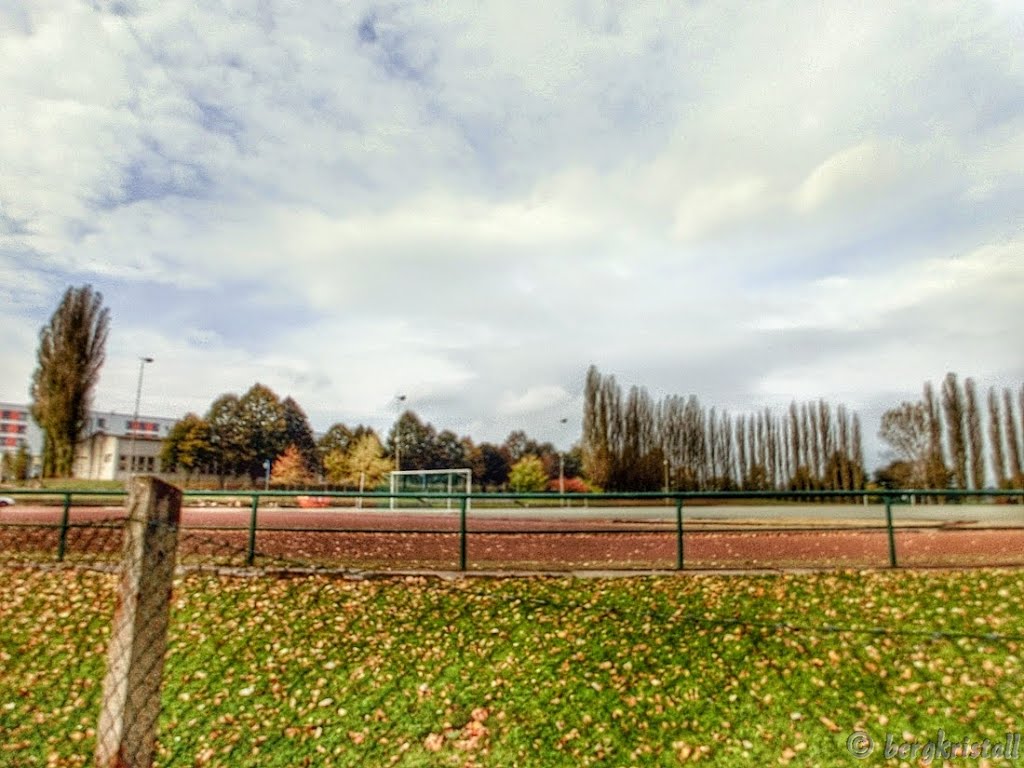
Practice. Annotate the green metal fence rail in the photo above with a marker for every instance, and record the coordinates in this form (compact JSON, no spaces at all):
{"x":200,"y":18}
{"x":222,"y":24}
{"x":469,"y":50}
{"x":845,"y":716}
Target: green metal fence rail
{"x":889,"y":498}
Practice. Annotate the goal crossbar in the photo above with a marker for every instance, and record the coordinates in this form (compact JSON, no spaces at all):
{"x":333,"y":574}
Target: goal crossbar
{"x":464,"y":474}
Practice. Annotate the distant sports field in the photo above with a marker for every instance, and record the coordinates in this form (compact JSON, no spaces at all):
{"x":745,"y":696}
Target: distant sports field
{"x":646,"y":671}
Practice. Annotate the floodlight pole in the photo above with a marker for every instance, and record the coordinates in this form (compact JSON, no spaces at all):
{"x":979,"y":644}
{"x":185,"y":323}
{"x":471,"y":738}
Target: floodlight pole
{"x":135,"y":414}
{"x":398,"y":434}
{"x":561,"y":472}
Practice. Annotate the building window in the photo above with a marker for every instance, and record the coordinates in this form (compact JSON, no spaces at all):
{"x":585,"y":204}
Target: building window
{"x":122,"y":463}
{"x":101,"y":423}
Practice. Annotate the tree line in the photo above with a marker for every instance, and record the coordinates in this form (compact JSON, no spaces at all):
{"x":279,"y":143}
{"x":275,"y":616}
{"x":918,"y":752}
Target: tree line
{"x":239,"y":433}
{"x":954,"y":439}
{"x":633,"y":443}
{"x":949,"y":438}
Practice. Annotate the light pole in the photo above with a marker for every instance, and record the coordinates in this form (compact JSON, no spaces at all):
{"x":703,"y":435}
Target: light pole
{"x":561,"y":472}
{"x":664,"y":464}
{"x":398,"y":433}
{"x":135,"y":415}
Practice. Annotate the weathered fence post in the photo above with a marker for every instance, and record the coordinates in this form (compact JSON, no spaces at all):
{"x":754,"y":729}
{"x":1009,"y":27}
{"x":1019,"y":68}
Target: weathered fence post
{"x":62,"y":543}
{"x":890,"y":531}
{"x":679,"y":533}
{"x":126,"y":735}
{"x":462,"y":532}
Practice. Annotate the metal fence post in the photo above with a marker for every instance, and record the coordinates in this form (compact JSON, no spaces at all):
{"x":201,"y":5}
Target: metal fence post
{"x":126,"y":732}
{"x":250,"y":556}
{"x":62,"y":544}
{"x":462,"y":532}
{"x":889,"y":529}
{"x":679,"y":534}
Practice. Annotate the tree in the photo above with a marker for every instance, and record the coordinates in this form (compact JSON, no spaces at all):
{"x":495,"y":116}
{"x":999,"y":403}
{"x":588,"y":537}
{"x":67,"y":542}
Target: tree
{"x":364,"y":465}
{"x":226,"y":439}
{"x":896,"y":474}
{"x":337,"y":439}
{"x":492,"y":467}
{"x":1016,"y":450}
{"x":975,"y":438}
{"x":449,"y":451}
{"x":290,"y":467}
{"x":517,"y":445}
{"x":297,"y":432}
{"x":995,"y":436}
{"x":956,"y":435}
{"x":188,"y":446}
{"x":905,"y":429}
{"x":71,"y":353}
{"x":528,"y":476}
{"x":261,"y":425}
{"x":937,"y":472}
{"x":413,"y":443}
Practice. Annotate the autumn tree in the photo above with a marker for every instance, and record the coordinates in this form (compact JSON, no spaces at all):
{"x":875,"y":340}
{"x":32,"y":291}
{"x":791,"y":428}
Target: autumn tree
{"x":297,"y":432}
{"x":70,"y":355}
{"x":290,"y":468}
{"x":527,"y":475}
{"x":975,"y":437}
{"x":995,"y":438}
{"x":412,"y":442}
{"x":1013,"y":441}
{"x":956,"y":434}
{"x":937,"y":472}
{"x":906,"y":430}
{"x":226,"y":438}
{"x":188,"y":446}
{"x":261,"y":425}
{"x":490,"y":464}
{"x":364,"y":465}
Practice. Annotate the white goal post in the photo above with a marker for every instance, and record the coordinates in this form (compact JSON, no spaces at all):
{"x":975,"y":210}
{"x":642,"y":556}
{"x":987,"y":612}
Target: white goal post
{"x":431,"y":481}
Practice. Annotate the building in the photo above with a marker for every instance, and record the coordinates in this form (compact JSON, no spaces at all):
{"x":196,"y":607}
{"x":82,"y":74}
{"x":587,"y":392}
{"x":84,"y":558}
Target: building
{"x":112,"y":447}
{"x":115,"y":445}
{"x":18,"y":430}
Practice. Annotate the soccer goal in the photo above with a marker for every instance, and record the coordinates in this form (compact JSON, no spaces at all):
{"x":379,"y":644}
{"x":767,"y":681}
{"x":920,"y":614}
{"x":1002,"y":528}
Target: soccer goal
{"x":432,"y":482}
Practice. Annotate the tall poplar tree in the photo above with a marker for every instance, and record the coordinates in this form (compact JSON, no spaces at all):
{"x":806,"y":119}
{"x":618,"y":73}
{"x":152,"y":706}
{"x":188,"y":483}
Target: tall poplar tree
{"x":956,"y":435}
{"x":71,"y":353}
{"x":1016,"y":451}
{"x":995,"y":438}
{"x":975,"y":438}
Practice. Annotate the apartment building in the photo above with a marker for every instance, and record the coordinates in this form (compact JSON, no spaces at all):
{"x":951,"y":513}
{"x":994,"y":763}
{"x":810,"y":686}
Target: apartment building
{"x":113,"y":445}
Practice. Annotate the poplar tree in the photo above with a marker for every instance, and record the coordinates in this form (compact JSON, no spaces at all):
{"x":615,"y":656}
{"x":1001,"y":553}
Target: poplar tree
{"x":995,"y":438}
{"x":1012,"y":441}
{"x":71,"y":353}
{"x":937,"y":474}
{"x":975,"y":438}
{"x":956,"y":437}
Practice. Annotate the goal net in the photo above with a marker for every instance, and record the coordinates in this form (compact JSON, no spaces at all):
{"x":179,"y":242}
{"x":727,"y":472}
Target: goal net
{"x":435,"y":485}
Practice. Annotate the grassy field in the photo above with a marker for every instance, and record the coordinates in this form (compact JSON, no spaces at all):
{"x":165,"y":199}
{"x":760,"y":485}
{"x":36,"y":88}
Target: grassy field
{"x":529,"y":672}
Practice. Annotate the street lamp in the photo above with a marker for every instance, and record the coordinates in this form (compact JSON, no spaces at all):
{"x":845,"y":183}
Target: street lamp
{"x":135,"y":415}
{"x":561,"y":471}
{"x":664,"y":463}
{"x":398,"y":433}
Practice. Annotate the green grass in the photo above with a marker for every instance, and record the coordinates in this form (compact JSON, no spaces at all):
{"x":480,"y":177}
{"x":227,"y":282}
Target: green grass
{"x":530,"y":672}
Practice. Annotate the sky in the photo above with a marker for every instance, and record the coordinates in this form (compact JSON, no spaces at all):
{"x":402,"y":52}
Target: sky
{"x":470,"y":203}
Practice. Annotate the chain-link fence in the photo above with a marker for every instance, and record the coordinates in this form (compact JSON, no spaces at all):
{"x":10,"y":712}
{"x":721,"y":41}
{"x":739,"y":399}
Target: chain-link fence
{"x":291,"y":663}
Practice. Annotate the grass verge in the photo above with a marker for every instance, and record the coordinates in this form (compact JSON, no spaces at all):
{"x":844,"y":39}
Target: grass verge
{"x":526,"y":672}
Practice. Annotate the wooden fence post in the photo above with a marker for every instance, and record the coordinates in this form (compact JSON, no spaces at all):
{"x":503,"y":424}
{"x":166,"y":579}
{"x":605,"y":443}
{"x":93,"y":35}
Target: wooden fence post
{"x":126,"y":735}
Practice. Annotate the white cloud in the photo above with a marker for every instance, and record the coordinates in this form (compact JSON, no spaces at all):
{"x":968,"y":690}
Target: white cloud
{"x":469,"y":205}
{"x":533,"y":399}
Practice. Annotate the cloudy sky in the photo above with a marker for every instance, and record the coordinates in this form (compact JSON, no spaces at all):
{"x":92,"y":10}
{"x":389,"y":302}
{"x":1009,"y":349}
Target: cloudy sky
{"x":469,"y":203}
